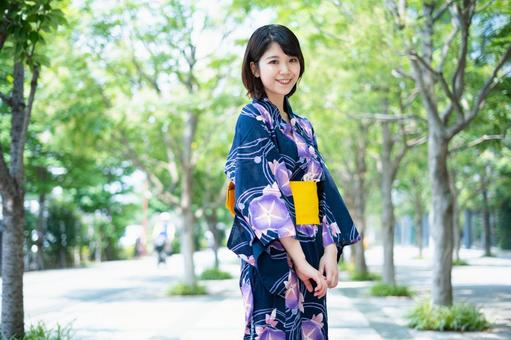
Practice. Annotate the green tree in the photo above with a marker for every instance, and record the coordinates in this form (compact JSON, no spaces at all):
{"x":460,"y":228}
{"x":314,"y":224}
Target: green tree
{"x":449,"y":98}
{"x":22,"y":30}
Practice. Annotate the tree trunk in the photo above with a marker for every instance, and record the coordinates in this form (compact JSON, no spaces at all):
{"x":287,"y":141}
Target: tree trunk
{"x":441,"y":227}
{"x":187,"y":247}
{"x":419,"y":213}
{"x":212,"y":226}
{"x":360,"y":222}
{"x":388,"y":219}
{"x":360,"y":196}
{"x":1,"y":244}
{"x":40,"y":232}
{"x":97,"y":247}
{"x":455,"y":217}
{"x":12,"y":266}
{"x":486,"y":222}
{"x":467,"y":229}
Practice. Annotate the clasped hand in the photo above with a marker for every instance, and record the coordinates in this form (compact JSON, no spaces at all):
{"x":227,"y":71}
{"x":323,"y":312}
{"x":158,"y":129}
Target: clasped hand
{"x":326,"y":277}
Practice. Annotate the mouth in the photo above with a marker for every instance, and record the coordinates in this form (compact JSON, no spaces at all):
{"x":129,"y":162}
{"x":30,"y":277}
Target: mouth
{"x":284,"y":81}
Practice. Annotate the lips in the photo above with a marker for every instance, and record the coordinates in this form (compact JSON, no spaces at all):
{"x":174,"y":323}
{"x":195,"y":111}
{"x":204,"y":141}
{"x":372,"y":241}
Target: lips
{"x":284,"y":81}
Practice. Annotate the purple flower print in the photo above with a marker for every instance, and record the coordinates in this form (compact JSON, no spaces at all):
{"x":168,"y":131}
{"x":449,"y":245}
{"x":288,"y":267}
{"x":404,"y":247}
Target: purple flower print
{"x":326,"y":235}
{"x":269,"y":212}
{"x":287,"y":130}
{"x":269,"y":332}
{"x":312,"y":151}
{"x":248,"y":299}
{"x":335,"y":229}
{"x":250,"y":259}
{"x":307,"y":229}
{"x":282,"y":175}
{"x":302,"y":146}
{"x":275,"y":244}
{"x":314,"y":170}
{"x":292,"y":291}
{"x":311,"y":328}
{"x":294,"y":298}
{"x":306,"y":127}
{"x":265,"y":115}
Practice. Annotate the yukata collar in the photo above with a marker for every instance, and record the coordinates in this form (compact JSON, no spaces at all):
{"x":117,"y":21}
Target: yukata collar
{"x":274,"y":111}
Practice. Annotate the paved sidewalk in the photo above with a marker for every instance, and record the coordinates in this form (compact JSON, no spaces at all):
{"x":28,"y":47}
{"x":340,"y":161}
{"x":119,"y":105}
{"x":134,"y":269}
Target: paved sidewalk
{"x":126,"y":300}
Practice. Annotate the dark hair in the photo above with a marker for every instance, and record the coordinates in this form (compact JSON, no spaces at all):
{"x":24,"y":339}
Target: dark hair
{"x":257,"y":45}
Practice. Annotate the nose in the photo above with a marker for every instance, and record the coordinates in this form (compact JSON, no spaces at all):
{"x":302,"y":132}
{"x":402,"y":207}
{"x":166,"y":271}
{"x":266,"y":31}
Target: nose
{"x":284,"y":68}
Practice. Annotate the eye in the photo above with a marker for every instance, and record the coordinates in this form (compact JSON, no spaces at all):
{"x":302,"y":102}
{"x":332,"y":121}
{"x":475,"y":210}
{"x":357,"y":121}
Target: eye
{"x":293,"y":60}
{"x":274,"y":61}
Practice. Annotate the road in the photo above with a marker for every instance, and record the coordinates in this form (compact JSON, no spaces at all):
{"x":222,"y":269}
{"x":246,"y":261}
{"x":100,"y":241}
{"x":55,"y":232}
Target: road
{"x":127,"y":300}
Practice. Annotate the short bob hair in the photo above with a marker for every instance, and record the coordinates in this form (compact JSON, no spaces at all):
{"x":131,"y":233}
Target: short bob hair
{"x":257,"y":45}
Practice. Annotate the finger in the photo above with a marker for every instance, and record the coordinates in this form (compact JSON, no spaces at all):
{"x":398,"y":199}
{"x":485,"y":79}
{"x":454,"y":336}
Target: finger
{"x":322,"y":267}
{"x":322,"y":293}
{"x":329,"y":278}
{"x":308,"y":285}
{"x":318,"y":282}
{"x":320,"y":289}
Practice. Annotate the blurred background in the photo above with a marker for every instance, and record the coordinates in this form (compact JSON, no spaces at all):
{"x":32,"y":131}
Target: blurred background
{"x":133,"y":112}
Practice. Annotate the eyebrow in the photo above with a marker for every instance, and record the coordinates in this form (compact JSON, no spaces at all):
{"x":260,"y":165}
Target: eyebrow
{"x":277,"y":57}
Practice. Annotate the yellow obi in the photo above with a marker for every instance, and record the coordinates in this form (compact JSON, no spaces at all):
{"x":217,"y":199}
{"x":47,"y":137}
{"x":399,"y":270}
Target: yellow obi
{"x":305,"y":196}
{"x":229,"y":197}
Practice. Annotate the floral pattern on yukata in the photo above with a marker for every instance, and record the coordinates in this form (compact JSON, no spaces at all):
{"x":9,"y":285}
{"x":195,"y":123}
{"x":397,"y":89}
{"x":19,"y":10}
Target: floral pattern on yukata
{"x":266,"y":154}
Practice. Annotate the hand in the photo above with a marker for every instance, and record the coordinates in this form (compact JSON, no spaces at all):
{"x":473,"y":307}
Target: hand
{"x":328,"y":266}
{"x":306,"y":272}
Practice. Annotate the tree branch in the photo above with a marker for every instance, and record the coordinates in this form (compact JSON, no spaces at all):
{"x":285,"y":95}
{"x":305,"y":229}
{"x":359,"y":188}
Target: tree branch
{"x":163,"y":194}
{"x":6,"y":186}
{"x":464,"y":17}
{"x":6,"y":99}
{"x":442,"y":10}
{"x":428,"y":99}
{"x":380,"y":117}
{"x":479,"y":100}
{"x":445,"y":87}
{"x":477,"y":141}
{"x":397,"y":72}
{"x":445,"y":48}
{"x":417,"y":141}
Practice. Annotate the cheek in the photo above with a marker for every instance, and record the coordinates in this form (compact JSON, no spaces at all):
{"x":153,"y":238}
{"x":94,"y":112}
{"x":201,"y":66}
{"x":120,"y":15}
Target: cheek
{"x":296,"y":68}
{"x":267,"y":73}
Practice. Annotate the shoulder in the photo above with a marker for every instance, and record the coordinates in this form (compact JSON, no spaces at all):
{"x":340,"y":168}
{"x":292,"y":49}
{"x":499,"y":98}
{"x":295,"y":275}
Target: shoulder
{"x":304,"y":123}
{"x":254,"y":120}
{"x":255,"y":115}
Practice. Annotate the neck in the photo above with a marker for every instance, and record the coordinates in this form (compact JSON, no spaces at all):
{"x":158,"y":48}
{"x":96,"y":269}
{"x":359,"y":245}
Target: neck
{"x":278,"y":101}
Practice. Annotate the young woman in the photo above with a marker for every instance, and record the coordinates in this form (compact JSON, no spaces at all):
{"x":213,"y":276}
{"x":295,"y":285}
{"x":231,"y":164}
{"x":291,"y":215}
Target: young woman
{"x":290,"y":222}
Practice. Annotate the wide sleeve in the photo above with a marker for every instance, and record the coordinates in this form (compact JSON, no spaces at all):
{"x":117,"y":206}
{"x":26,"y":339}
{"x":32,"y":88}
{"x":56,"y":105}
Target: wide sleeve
{"x":263,"y":210}
{"x":337,"y":225}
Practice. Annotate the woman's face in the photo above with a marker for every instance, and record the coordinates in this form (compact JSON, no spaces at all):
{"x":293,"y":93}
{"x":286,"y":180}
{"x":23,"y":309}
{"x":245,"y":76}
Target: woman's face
{"x":278,"y":71}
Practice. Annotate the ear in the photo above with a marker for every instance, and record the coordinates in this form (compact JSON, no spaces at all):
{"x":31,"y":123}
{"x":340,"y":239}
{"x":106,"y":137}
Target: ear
{"x":254,"y":69}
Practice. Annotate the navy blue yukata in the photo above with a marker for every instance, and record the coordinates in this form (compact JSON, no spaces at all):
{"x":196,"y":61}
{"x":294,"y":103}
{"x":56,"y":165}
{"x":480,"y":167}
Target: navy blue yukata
{"x":267,"y":153}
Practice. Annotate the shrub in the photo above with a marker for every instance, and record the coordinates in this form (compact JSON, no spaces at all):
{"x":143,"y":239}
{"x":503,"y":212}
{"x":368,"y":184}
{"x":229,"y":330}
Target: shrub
{"x":458,"y":317}
{"x":41,"y":332}
{"x":184,"y":289}
{"x":383,"y":289}
{"x":347,"y":266}
{"x":459,"y":262}
{"x":215,"y":274}
{"x":359,"y":276}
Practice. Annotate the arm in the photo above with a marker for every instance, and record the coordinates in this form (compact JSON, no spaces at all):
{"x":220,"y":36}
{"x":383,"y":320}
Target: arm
{"x":328,"y":265}
{"x":304,"y":270}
